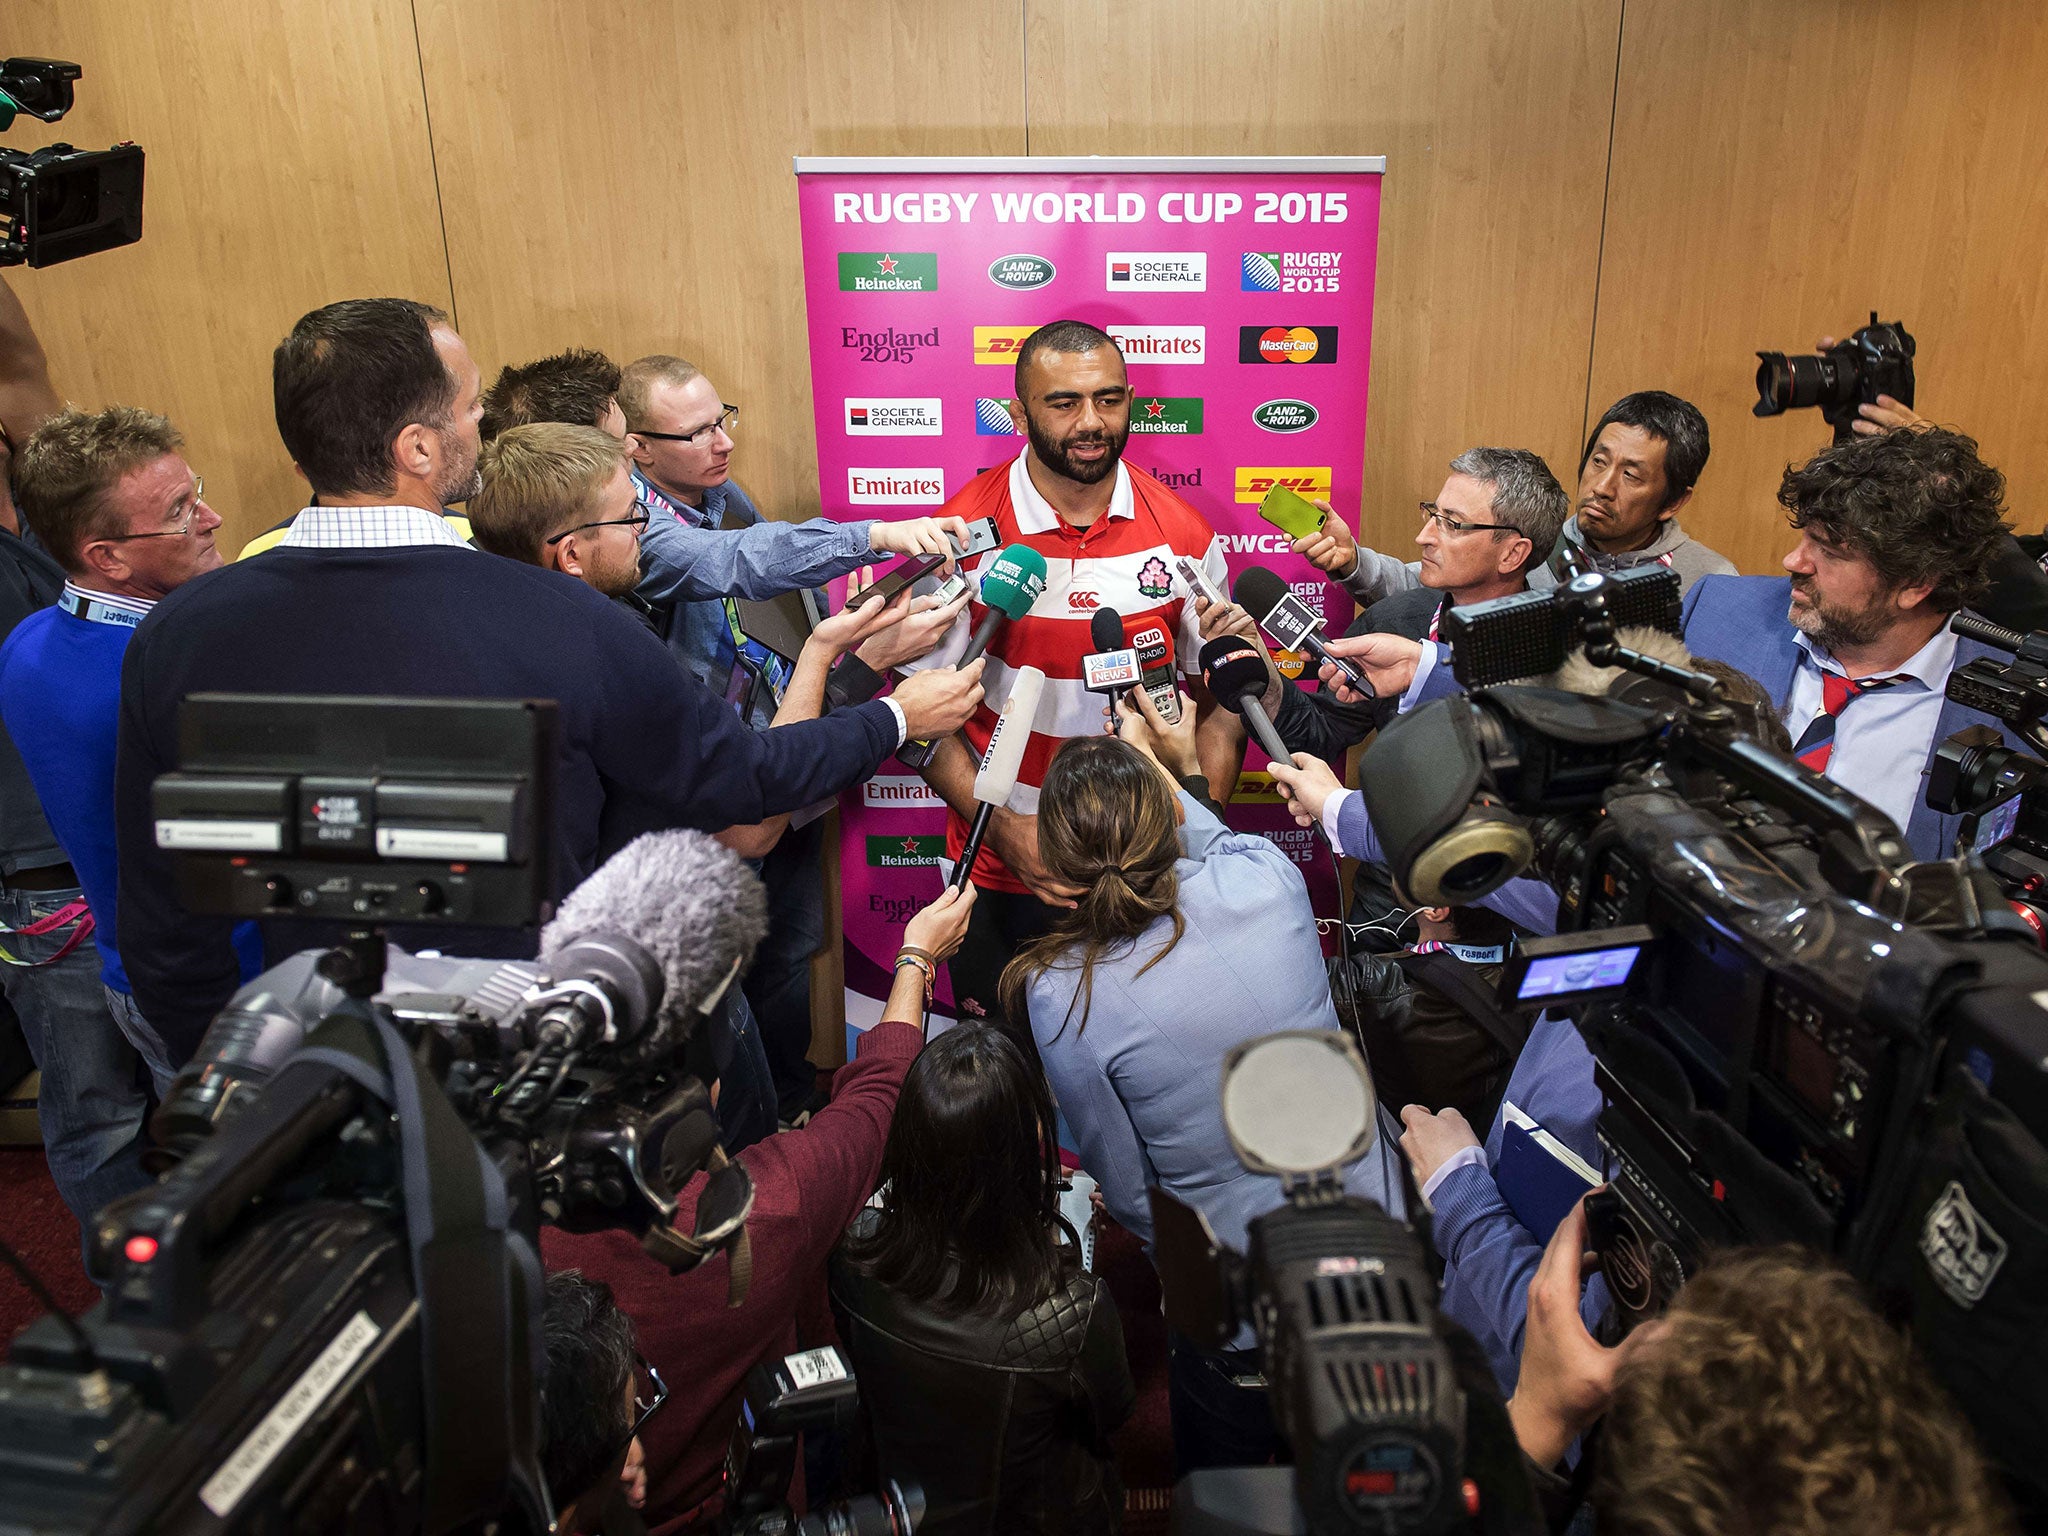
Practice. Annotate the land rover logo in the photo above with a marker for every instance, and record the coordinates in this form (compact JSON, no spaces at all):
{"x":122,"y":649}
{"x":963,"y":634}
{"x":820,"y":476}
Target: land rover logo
{"x":1285,"y":416}
{"x":1021,"y":271}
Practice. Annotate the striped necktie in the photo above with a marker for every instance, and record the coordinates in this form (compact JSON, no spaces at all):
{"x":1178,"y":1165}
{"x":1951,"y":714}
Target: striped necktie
{"x":1817,"y":743}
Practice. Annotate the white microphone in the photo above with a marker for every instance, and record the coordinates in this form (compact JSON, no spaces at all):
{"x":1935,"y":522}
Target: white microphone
{"x":645,"y":947}
{"x":1001,"y":763}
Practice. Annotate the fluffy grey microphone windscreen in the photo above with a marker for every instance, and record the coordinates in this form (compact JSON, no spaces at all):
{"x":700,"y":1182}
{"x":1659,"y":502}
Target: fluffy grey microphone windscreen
{"x":688,"y":901}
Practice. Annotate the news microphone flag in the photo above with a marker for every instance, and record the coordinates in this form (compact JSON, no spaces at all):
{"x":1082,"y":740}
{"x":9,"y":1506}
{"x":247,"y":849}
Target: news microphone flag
{"x":1001,"y":763}
{"x":1010,"y":584}
{"x":1235,"y":673}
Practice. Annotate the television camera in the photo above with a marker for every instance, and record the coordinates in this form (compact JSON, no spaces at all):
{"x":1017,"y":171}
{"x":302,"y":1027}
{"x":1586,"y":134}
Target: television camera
{"x":325,"y":1316}
{"x":1809,"y":1038}
{"x":58,"y":203}
{"x":1394,"y":1418}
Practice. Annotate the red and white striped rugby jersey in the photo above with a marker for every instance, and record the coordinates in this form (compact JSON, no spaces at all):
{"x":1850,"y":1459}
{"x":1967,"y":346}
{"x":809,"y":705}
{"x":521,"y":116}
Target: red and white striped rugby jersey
{"x":1123,"y":560}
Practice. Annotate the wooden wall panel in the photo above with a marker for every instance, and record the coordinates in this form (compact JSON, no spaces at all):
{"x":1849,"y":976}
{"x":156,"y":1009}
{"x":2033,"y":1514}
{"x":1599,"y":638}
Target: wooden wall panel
{"x":1781,"y":169}
{"x":628,"y":184}
{"x":288,"y":167}
{"x":1493,"y":116}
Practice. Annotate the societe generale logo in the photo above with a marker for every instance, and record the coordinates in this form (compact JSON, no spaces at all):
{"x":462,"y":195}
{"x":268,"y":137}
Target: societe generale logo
{"x":1254,"y":481}
{"x":999,"y":343}
{"x":1083,"y":602}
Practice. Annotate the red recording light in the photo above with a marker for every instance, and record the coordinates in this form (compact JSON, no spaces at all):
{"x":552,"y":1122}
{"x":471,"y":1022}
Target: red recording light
{"x":1471,"y":1498}
{"x":140,"y":1248}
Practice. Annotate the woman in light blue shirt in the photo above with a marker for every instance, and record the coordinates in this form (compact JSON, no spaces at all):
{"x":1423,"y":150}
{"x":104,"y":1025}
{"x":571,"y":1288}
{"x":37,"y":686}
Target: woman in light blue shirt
{"x":1186,"y":939}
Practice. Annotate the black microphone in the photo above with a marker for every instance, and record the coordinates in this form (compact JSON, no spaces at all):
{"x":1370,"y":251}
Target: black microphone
{"x":1111,"y":668}
{"x":641,"y":951}
{"x":1290,"y":621}
{"x":1235,"y":674}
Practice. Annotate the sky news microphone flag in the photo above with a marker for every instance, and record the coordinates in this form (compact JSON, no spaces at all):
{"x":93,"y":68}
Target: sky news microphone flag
{"x":1241,"y":293}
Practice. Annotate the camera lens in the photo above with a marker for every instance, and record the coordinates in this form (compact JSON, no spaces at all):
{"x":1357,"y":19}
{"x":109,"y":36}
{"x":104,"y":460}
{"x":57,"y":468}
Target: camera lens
{"x":1794,"y":383}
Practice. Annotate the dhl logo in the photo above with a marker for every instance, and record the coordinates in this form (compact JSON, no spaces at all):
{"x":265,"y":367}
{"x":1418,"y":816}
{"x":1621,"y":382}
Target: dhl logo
{"x":999,"y":343}
{"x":1253,"y":482}
{"x":1255,"y":787}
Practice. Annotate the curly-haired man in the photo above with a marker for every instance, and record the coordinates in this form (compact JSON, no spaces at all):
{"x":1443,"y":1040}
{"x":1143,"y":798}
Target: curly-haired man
{"x":1896,"y":533}
{"x":1770,"y":1400}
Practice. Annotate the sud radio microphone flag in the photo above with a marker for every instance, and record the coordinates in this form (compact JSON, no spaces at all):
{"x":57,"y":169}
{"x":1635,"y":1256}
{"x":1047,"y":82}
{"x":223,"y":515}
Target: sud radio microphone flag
{"x":1001,"y":763}
{"x":1290,"y":621}
{"x":1010,"y":584}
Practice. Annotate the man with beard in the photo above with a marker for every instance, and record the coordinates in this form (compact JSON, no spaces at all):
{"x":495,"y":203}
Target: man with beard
{"x":1854,"y":648}
{"x":1109,"y":533}
{"x":378,"y":401}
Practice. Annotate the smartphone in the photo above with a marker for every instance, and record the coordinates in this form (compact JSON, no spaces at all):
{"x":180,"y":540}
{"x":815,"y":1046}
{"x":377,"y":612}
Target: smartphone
{"x":1197,"y":579}
{"x":914,"y":569}
{"x":981,"y":536}
{"x":1291,"y":513}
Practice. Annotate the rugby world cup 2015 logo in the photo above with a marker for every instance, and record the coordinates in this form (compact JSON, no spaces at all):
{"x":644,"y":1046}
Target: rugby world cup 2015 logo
{"x":1259,"y":272}
{"x":992,"y":418}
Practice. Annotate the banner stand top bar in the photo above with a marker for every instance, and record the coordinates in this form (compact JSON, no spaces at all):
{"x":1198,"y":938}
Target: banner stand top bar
{"x":1085,"y":165}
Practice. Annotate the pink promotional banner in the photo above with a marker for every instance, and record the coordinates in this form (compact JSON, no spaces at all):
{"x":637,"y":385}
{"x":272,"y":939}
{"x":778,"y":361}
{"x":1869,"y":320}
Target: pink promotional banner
{"x":1240,"y":292}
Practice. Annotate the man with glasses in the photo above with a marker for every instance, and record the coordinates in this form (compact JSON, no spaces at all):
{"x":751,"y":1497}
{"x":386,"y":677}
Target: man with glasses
{"x":596,"y":1394}
{"x":1493,"y":523}
{"x":110,"y":495}
{"x":1638,"y":470}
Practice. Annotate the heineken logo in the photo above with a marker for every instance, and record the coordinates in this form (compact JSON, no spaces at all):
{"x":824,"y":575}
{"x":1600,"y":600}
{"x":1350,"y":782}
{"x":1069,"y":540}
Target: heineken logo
{"x":1178,"y":415}
{"x":908,"y":852}
{"x":1021,"y":271}
{"x":1285,"y":416}
{"x":888,"y":271}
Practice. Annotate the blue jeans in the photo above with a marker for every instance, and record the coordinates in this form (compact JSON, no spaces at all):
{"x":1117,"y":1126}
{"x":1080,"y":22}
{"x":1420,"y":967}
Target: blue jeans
{"x":92,"y":1104}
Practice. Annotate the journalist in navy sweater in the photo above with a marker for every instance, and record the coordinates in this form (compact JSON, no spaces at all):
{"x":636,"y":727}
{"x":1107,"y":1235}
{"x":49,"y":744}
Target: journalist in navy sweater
{"x":643,"y":745}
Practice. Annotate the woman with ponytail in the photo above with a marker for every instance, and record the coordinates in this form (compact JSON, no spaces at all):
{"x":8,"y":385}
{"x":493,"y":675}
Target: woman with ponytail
{"x":1185,"y":939}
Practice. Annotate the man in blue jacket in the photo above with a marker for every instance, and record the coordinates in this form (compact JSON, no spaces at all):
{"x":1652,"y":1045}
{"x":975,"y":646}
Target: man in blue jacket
{"x":370,"y":592}
{"x":1853,"y":646}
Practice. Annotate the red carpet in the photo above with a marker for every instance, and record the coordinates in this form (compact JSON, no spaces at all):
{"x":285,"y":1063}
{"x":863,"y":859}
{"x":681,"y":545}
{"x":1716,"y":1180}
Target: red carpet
{"x":36,"y":1225}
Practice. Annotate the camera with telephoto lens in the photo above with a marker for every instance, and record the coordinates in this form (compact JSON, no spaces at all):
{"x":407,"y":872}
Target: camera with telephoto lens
{"x":1877,"y":360}
{"x":325,"y":1315}
{"x":781,"y":1401}
{"x":1393,"y":1416}
{"x":60,"y":203}
{"x":1799,"y":1034}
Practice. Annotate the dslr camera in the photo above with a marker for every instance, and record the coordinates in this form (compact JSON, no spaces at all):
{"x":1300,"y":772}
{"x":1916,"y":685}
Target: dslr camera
{"x":1877,"y":360}
{"x":60,"y":203}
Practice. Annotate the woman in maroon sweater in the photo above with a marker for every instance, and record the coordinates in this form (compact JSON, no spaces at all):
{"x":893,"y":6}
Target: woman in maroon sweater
{"x":808,"y":1184}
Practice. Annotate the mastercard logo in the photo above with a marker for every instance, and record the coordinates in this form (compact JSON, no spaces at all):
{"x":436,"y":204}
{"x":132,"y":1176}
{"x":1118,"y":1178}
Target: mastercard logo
{"x":1287,"y":344}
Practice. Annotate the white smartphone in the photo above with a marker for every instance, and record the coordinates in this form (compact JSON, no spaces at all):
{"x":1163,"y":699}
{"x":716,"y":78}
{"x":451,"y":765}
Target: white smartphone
{"x":1197,"y":579}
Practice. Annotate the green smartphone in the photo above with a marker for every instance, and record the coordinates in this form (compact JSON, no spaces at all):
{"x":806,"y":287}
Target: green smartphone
{"x":1291,"y":513}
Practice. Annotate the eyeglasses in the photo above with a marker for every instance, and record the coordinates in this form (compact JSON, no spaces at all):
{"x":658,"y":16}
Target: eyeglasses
{"x":191,"y":515}
{"x":1449,"y":524}
{"x":648,"y":1395}
{"x":728,"y":418}
{"x":636,"y":522}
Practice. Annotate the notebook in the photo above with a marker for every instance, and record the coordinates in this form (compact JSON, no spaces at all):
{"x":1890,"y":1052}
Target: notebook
{"x":1539,"y":1176}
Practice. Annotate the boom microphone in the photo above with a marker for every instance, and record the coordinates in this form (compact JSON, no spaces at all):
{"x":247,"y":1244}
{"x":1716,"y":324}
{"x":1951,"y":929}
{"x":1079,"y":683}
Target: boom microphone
{"x":1235,"y":674}
{"x":1010,"y":584}
{"x":646,"y":946}
{"x":1001,"y":763}
{"x":1290,"y":621}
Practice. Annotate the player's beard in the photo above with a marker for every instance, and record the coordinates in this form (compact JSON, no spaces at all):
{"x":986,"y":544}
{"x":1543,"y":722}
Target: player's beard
{"x":1053,"y":452}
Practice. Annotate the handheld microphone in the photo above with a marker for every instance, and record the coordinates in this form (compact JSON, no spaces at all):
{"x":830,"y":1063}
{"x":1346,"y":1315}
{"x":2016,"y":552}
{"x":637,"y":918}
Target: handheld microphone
{"x":1001,"y":763}
{"x":1010,"y":584}
{"x":1155,"y":670}
{"x":1235,"y":674}
{"x":1291,"y":621}
{"x":1112,"y":666}
{"x":645,"y":948}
